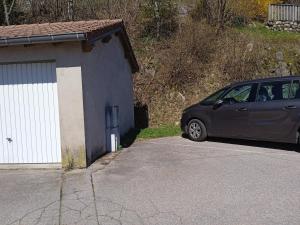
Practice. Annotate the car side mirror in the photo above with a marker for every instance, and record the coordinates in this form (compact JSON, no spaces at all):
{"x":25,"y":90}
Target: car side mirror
{"x":218,"y":104}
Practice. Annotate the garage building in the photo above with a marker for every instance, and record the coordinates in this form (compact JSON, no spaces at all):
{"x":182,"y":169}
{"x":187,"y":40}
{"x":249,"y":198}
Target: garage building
{"x":59,"y":86}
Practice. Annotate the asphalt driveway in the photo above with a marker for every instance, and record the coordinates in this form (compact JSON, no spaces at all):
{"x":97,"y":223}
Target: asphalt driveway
{"x":29,"y":197}
{"x":163,"y":182}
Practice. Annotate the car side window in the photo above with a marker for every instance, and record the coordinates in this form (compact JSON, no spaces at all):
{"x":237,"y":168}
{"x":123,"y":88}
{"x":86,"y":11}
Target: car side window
{"x":238,"y":94}
{"x":274,"y":91}
{"x":214,"y":97}
{"x":295,"y":90}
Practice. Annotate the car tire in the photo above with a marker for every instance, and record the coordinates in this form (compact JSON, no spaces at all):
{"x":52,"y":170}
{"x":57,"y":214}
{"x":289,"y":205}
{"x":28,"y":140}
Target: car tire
{"x":196,"y":130}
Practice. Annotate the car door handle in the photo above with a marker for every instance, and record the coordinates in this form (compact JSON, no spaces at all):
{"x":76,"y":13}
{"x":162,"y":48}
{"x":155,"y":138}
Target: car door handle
{"x":242,"y":109}
{"x":290,"y":107}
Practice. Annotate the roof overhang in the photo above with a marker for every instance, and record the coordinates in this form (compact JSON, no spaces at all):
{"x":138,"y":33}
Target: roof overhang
{"x":89,"y":38}
{"x":42,"y":39}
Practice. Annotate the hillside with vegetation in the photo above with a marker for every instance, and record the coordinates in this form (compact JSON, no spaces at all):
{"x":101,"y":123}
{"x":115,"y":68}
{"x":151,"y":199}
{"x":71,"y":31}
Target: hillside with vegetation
{"x":186,"y":49}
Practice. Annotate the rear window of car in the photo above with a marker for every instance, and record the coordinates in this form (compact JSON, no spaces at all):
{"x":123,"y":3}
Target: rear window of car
{"x":295,"y":90}
{"x":274,"y":91}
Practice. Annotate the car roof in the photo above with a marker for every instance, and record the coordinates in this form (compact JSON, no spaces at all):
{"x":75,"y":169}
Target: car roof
{"x":269,"y":79}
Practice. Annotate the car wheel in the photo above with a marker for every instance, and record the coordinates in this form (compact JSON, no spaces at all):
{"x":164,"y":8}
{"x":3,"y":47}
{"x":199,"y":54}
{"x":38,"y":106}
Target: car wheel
{"x":196,"y":130}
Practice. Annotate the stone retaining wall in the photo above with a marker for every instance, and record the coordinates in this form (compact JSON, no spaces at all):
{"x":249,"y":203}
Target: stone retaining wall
{"x":284,"y":26}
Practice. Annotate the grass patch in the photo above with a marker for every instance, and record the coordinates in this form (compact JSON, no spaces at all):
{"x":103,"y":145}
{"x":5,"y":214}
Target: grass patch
{"x":159,"y":132}
{"x":260,"y":30}
{"x":149,"y":133}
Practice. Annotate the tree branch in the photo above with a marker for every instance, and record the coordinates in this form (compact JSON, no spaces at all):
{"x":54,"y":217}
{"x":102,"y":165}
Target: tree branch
{"x":6,"y":15}
{"x":11,"y":7}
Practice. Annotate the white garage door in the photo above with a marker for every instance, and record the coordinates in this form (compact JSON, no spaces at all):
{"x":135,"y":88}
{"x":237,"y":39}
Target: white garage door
{"x":29,"y":117}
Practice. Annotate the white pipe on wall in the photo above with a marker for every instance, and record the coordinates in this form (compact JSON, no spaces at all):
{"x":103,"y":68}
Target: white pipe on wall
{"x":115,"y":129}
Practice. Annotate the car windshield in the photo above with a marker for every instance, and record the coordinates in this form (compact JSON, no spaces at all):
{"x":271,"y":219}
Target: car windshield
{"x":214,"y":97}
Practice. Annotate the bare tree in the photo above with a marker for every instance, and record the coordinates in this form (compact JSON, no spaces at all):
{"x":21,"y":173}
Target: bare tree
{"x":71,"y":10}
{"x":208,"y":7}
{"x":215,"y":12}
{"x":157,"y":16}
{"x":7,"y":10}
{"x":221,"y":7}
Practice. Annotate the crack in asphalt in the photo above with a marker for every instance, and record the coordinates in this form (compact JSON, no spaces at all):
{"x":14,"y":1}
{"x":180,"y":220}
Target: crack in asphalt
{"x":82,"y":213}
{"x":28,"y":214}
{"x":120,"y":211}
{"x":60,"y":197}
{"x":94,"y":197}
{"x":158,"y":212}
{"x":143,"y":220}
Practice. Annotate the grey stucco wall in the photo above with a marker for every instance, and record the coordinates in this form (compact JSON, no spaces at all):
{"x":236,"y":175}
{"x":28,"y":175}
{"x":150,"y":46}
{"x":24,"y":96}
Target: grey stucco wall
{"x":107,"y":81}
{"x":69,"y":81}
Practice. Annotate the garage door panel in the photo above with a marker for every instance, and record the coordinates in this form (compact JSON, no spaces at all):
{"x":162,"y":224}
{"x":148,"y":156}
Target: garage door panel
{"x":55,"y":116}
{"x":45,"y":114}
{"x":28,"y":119}
{"x":23,"y":116}
{"x":29,"y":114}
{"x":7,"y":118}
{"x":52,"y":116}
{"x":36,"y":114}
{"x":3,"y":131}
{"x":14,"y":120}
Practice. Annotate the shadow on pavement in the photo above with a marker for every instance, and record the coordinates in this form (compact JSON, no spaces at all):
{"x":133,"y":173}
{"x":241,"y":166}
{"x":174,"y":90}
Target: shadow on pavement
{"x":128,"y":139}
{"x":261,"y":144}
{"x":141,"y":117}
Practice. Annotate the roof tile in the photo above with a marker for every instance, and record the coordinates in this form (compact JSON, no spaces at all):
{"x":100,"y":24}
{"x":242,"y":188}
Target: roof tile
{"x":29,"y":30}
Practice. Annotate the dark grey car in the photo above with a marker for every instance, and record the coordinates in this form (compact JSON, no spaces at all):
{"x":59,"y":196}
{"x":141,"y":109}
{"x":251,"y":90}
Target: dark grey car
{"x":266,"y":109}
